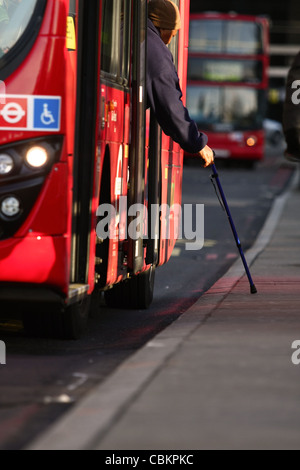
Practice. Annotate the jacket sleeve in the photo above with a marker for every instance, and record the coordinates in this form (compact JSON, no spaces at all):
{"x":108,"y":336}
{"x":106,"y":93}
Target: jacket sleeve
{"x":165,"y":98}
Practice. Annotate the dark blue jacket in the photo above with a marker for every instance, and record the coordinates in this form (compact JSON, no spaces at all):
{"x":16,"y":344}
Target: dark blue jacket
{"x":165,"y":96}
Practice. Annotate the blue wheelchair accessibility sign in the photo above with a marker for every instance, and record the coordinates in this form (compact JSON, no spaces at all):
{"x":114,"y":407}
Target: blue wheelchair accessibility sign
{"x":46,"y":112}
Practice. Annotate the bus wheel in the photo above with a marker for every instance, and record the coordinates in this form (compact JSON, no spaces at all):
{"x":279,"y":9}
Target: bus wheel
{"x":75,"y":319}
{"x":135,"y":293}
{"x":57,"y":321}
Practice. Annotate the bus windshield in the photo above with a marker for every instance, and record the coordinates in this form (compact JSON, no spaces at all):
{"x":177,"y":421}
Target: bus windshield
{"x":15,"y":16}
{"x":225,"y":109}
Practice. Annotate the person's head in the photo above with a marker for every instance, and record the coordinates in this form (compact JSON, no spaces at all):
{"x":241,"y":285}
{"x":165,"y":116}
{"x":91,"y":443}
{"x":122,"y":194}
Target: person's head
{"x":165,"y":15}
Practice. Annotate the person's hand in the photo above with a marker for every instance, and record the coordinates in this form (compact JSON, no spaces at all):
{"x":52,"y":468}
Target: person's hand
{"x":207,"y":156}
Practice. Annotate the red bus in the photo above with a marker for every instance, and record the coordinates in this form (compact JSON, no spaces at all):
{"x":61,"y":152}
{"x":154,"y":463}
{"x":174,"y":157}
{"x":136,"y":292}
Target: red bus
{"x":228,"y":81}
{"x":76,"y":137}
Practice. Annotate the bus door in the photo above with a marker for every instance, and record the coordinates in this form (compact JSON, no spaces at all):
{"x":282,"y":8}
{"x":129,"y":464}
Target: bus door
{"x":180,"y":53}
{"x":172,"y":155}
{"x":137,"y":163}
{"x":114,"y":133}
{"x":86,"y":168}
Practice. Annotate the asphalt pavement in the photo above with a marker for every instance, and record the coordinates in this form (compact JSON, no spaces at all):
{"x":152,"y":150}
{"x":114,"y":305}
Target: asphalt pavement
{"x":225,"y":375}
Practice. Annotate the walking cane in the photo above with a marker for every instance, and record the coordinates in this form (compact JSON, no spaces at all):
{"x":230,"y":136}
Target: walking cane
{"x":215,"y":176}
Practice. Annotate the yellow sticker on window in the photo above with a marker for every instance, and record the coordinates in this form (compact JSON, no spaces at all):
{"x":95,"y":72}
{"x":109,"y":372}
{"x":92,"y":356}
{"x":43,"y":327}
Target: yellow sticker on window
{"x":71,"y":35}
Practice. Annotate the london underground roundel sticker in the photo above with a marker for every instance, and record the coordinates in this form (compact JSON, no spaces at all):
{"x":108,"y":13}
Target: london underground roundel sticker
{"x":30,"y":113}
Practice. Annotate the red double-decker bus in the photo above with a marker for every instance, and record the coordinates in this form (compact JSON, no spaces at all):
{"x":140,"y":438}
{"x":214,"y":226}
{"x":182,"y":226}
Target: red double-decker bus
{"x":76,"y":138}
{"x":228,"y":81}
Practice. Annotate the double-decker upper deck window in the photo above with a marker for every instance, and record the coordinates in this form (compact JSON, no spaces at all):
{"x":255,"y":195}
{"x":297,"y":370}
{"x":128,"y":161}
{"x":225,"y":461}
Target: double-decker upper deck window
{"x":226,"y":37}
{"x":15,"y":16}
{"x":244,"y":37}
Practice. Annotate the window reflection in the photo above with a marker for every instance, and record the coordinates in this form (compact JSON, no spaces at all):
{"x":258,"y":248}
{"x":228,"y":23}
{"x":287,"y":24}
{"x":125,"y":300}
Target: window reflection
{"x":14,"y":19}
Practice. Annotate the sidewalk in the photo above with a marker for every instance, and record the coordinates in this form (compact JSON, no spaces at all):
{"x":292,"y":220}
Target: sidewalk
{"x":220,"y":377}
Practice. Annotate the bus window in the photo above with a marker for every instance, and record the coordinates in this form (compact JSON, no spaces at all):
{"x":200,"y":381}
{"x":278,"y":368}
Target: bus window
{"x":125,"y":40}
{"x":14,"y":19}
{"x":219,"y":69}
{"x":243,"y":37}
{"x":206,"y":36}
{"x":115,"y":40}
{"x":72,"y":7}
{"x":107,"y":37}
{"x":230,"y":37}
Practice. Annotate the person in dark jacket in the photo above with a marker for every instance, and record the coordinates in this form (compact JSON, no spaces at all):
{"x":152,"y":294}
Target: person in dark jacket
{"x":291,"y":112}
{"x":163,"y":87}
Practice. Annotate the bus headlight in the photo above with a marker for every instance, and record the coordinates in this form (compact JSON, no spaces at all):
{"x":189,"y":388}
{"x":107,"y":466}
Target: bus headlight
{"x":6,"y":164}
{"x":10,"y":206}
{"x":37,"y":157}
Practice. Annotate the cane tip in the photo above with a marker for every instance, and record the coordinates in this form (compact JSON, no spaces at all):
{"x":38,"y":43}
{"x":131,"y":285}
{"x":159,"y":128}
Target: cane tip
{"x":253,"y":289}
